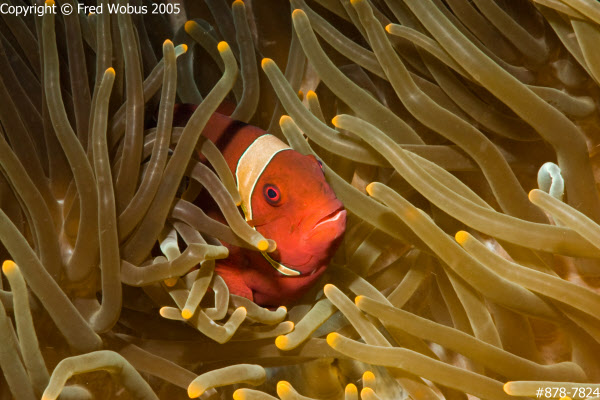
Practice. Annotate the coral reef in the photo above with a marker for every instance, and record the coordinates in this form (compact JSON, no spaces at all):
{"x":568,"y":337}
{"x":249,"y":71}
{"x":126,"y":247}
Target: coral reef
{"x":461,"y":136}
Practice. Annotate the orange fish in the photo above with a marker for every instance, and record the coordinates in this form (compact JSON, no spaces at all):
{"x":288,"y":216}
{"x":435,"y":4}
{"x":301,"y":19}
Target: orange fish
{"x":285,"y":198}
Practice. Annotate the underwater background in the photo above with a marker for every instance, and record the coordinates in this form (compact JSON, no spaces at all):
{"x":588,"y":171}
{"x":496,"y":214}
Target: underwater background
{"x":460,"y":135}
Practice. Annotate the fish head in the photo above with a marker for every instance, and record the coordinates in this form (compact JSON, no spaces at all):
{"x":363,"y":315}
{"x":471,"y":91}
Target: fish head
{"x":293,"y":204}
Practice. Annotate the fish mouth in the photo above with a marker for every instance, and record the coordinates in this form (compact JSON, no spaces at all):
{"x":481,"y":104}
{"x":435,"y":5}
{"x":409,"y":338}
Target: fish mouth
{"x":335,"y":216}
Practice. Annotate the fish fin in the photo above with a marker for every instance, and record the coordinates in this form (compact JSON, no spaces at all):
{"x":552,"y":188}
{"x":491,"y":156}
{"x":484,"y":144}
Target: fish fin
{"x":234,"y":280}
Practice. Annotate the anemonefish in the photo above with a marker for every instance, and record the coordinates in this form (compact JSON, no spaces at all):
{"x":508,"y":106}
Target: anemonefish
{"x":285,"y":197}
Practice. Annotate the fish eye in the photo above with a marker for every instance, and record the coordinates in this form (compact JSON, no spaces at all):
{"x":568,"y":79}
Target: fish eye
{"x":272,"y":194}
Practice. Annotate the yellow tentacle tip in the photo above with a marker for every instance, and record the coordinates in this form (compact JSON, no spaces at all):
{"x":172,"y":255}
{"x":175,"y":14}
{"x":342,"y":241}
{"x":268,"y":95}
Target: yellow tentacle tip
{"x":368,"y":376}
{"x":366,"y":393}
{"x":355,"y":2}
{"x":222,"y":47}
{"x":370,"y":188}
{"x":351,"y":389}
{"x":461,"y":237}
{"x":332,"y":339}
{"x":239,"y":395}
{"x":167,"y":41}
{"x":110,"y":71}
{"x":283,"y":388}
{"x":300,"y":95}
{"x":284,"y":119}
{"x":282,"y":342}
{"x":388,"y":28}
{"x":49,"y":3}
{"x":194,"y":390}
{"x":189,"y":26}
{"x":163,"y":312}
{"x":265,"y":62}
{"x":170,"y":282}
{"x":262,"y":245}
{"x":184,"y":47}
{"x":358,"y":299}
{"x":48,"y":398}
{"x":311,"y":94}
{"x":186,"y":313}
{"x":328,"y":288}
{"x":506,"y":387}
{"x":533,"y":194}
{"x":335,"y":121}
{"x":237,"y":3}
{"x":297,"y":13}
{"x":8,"y":266}
{"x":284,"y":308}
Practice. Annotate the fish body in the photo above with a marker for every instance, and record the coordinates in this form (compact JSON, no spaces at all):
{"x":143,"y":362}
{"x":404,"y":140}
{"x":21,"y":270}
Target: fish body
{"x":285,"y":197}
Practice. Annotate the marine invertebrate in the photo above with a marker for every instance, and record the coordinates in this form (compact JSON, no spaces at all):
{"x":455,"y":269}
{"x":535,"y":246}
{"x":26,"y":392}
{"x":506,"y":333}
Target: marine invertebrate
{"x":450,"y":280}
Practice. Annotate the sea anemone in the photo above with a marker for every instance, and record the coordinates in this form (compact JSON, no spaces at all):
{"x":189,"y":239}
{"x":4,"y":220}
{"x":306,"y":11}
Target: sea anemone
{"x":461,"y":136}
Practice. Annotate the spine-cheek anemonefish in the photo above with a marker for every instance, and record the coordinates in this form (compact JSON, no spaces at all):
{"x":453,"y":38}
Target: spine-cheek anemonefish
{"x":285,"y":198}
